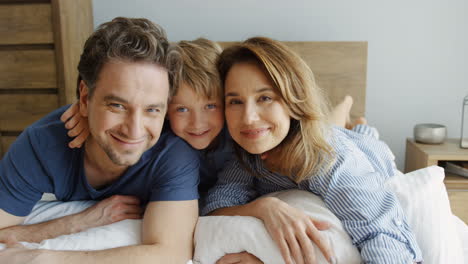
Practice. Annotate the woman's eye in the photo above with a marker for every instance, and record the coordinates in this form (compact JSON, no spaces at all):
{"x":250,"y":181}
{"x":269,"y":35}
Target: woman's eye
{"x":182,"y":109}
{"x":264,"y":98}
{"x":234,"y":101}
{"x":210,"y":106}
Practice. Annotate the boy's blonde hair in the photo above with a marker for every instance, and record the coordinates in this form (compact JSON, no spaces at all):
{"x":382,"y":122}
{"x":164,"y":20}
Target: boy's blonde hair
{"x":198,"y":67}
{"x":305,"y":150}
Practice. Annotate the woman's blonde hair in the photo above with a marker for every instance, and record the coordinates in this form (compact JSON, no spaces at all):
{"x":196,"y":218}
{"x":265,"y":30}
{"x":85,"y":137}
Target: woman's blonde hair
{"x":305,"y":149}
{"x":198,"y":67}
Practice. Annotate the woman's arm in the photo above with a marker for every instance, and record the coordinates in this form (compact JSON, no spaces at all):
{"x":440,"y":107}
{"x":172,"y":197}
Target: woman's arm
{"x":353,"y":189}
{"x":291,"y":229}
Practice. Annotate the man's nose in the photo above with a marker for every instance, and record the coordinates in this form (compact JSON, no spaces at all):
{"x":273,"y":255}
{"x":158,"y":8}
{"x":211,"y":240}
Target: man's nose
{"x":135,"y":126}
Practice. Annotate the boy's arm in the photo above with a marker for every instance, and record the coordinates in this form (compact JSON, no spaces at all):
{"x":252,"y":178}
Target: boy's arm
{"x":167,"y":237}
{"x":110,"y":210}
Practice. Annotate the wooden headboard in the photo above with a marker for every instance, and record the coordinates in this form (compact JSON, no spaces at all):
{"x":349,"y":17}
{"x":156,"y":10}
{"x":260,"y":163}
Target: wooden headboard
{"x":340,"y":68}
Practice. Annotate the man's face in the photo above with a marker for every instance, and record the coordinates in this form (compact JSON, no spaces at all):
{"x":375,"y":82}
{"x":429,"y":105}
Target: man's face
{"x":126,"y":111}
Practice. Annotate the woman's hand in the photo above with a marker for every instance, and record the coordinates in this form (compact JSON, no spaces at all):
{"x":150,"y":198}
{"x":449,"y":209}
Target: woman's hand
{"x":76,"y":124}
{"x":239,"y":258}
{"x":294,"y":231}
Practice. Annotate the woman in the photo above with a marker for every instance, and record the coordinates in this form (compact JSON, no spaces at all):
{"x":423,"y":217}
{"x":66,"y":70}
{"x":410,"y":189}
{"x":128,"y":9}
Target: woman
{"x":276,"y":113}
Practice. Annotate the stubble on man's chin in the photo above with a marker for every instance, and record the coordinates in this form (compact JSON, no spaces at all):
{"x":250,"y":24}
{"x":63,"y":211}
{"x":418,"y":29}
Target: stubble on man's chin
{"x":116,"y":158}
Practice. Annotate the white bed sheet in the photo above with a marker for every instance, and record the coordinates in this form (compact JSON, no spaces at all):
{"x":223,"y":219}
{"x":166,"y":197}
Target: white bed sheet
{"x":127,"y":232}
{"x":122,"y":233}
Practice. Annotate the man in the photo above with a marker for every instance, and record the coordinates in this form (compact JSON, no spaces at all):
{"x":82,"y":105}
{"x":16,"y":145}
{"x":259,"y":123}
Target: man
{"x":128,"y":159}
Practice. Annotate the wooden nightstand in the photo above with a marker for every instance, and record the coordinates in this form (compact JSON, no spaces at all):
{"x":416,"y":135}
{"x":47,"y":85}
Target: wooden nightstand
{"x":422,"y":155}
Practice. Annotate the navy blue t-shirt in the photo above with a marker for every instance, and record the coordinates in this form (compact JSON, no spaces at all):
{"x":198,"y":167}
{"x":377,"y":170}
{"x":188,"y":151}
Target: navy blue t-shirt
{"x":40,"y":161}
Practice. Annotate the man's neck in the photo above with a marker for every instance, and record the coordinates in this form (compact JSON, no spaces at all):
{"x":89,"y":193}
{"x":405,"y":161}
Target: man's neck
{"x":100,"y":171}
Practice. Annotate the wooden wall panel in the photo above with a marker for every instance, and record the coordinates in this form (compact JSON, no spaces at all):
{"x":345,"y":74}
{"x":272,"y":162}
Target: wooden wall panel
{"x":18,"y":111}
{"x":26,"y":24}
{"x":73,"y":24}
{"x":340,"y":68}
{"x":27,"y":69}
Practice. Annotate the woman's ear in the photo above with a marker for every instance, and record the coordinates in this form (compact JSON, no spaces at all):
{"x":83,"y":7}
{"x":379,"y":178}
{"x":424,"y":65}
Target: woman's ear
{"x":84,"y":98}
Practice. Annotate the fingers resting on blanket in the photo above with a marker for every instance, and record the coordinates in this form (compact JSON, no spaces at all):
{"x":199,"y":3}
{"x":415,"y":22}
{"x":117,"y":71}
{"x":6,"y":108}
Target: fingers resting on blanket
{"x":15,"y":253}
{"x":113,"y":209}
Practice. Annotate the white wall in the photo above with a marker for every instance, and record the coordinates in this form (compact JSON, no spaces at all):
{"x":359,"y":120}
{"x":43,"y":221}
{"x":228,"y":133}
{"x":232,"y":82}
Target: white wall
{"x":418,"y":50}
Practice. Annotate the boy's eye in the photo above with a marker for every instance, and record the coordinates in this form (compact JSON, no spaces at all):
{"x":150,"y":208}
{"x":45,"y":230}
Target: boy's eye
{"x":182,"y":109}
{"x":153,"y":110}
{"x":264,"y":98}
{"x":210,"y":106}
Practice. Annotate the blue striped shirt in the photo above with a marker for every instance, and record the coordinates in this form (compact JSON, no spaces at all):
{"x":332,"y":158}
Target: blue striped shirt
{"x":352,"y":188}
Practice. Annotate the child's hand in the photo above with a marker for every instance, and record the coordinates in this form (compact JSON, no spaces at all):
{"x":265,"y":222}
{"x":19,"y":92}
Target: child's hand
{"x":76,"y":124}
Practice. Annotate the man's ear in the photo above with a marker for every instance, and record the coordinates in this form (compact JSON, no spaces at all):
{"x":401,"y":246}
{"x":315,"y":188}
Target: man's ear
{"x":84,"y":98}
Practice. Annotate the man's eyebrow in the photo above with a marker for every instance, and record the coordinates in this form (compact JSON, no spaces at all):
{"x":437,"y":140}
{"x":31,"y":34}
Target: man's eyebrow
{"x":119,"y":99}
{"x":113,"y":97}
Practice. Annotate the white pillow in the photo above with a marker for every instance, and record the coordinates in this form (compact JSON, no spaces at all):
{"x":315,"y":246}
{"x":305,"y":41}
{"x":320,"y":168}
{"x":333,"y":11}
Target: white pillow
{"x":123,"y":233}
{"x":422,"y":196}
{"x":424,"y":199}
{"x":216,"y":236}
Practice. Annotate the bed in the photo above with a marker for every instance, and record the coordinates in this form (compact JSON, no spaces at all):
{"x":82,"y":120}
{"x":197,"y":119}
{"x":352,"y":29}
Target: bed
{"x":340,"y":69}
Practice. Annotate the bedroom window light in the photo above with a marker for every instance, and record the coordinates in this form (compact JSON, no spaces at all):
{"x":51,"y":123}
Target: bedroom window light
{"x":464,"y":124}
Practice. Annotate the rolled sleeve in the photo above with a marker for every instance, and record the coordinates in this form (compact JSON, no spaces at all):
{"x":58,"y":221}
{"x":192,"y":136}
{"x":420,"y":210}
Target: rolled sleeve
{"x":354,"y":191}
{"x":21,"y":175}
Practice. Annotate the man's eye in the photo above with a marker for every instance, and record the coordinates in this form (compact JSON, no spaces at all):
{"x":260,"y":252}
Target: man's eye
{"x":210,"y":106}
{"x":182,"y":109}
{"x":116,"y":106}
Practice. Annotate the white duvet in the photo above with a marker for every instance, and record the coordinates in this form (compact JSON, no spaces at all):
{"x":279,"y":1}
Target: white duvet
{"x":439,"y":233}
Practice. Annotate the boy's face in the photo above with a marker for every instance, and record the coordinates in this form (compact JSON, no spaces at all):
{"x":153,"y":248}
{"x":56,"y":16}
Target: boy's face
{"x":195,"y":118}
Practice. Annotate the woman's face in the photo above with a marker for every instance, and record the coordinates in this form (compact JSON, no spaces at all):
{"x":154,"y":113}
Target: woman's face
{"x":256,"y":115}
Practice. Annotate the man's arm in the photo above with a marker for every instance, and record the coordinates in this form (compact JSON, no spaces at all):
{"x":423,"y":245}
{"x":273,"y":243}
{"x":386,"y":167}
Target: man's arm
{"x":108,"y":211}
{"x":7,"y":220}
{"x":167,"y":237}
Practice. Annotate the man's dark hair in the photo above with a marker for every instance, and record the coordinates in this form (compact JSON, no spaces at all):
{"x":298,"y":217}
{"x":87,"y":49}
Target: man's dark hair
{"x":124,"y":39}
